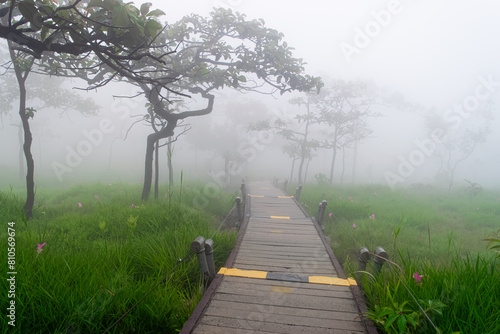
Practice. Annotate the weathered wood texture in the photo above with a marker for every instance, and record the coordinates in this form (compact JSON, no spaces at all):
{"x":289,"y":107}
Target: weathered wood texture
{"x":279,"y":245}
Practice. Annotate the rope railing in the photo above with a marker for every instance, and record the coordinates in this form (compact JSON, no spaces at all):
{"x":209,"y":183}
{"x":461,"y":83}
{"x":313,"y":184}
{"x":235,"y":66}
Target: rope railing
{"x":343,"y":226}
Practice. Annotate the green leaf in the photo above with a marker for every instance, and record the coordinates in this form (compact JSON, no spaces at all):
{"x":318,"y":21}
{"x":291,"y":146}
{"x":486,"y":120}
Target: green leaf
{"x":152,"y":27}
{"x":30,"y":13}
{"x":47,"y":10}
{"x":390,"y":320}
{"x":401,"y":324}
{"x":156,"y":12}
{"x":242,"y":78}
{"x":95,"y":3}
{"x":145,"y":8}
{"x":120,"y":16}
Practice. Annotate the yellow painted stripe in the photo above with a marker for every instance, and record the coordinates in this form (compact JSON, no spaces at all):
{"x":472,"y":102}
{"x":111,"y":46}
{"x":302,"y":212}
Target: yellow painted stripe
{"x":255,"y":195}
{"x":285,"y":196}
{"x":331,"y":280}
{"x":243,"y":273}
{"x":279,"y":217}
{"x":263,"y":274}
{"x":276,"y":231}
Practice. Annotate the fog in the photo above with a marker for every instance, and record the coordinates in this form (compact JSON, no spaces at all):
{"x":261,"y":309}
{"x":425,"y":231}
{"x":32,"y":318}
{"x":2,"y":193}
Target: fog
{"x":435,"y":55}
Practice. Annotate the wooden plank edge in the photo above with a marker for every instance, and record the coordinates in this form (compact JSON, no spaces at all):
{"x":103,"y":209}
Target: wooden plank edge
{"x":198,"y":312}
{"x":356,"y":292}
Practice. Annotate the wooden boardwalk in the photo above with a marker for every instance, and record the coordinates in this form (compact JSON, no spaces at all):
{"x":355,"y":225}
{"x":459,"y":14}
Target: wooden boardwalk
{"x":282,"y":277}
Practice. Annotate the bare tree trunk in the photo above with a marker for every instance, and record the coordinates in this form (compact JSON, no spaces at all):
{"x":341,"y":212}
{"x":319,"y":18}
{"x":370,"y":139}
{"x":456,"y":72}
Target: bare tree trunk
{"x":148,"y":164}
{"x":22,"y":166}
{"x":307,"y":168}
{"x":333,"y":163}
{"x":170,"y":168}
{"x":28,"y":137}
{"x":293,"y":167}
{"x":343,"y":166}
{"x":354,"y":161}
{"x":157,"y":168}
{"x":303,"y":146}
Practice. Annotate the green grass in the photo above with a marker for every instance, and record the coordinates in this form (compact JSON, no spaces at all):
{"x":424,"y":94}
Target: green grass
{"x":101,"y":258}
{"x":438,"y":234}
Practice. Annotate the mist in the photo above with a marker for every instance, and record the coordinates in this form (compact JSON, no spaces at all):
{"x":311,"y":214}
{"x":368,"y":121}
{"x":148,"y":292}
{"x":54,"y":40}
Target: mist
{"x":435,"y":57}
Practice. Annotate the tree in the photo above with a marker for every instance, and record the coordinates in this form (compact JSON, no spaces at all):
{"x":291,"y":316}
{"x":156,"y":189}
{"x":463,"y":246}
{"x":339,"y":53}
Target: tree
{"x":296,"y":131}
{"x":456,"y":141}
{"x":94,"y":34}
{"x":344,"y":107}
{"x":224,"y":50}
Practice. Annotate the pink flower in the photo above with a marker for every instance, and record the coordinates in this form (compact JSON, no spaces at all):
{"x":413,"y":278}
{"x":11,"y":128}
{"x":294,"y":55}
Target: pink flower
{"x":354,"y":225}
{"x":375,"y":193}
{"x":218,"y":197}
{"x":350,"y":198}
{"x":417,"y":277}
{"x":96,"y":197}
{"x":372,"y":216}
{"x":39,"y":248}
{"x":79,"y":204}
{"x":132,"y":206}
{"x":330,"y":215}
{"x":477,"y":208}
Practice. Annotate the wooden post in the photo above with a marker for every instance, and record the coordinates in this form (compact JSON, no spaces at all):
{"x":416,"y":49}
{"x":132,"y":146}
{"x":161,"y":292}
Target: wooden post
{"x":209,"y":253}
{"x":364,"y":257}
{"x":239,"y":209}
{"x":198,"y":246}
{"x":297,"y":192}
{"x":243,"y":191}
{"x":380,"y":259}
{"x":321,"y":212}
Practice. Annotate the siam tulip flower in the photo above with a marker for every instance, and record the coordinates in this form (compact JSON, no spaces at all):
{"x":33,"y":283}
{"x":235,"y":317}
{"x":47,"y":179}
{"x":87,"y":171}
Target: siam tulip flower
{"x":96,"y":196}
{"x":417,"y":277}
{"x":350,"y":198}
{"x":372,"y":217}
{"x":354,"y":225}
{"x":218,"y":197}
{"x":132,"y":206}
{"x":40,"y":247}
{"x":79,"y":204}
{"x":330,"y":215}
{"x":375,"y":193}
{"x":477,"y":208}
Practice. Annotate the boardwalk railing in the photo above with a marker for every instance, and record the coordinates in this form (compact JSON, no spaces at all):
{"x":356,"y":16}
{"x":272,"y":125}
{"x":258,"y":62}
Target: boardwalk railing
{"x":281,"y":277}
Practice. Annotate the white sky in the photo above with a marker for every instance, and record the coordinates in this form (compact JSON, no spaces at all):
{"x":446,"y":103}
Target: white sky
{"x":429,"y":50}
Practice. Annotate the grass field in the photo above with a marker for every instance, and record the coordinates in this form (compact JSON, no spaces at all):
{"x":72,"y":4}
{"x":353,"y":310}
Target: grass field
{"x":436,"y":241}
{"x":92,"y":251}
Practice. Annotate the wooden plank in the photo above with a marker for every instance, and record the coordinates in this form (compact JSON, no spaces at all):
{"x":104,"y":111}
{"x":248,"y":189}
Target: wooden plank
{"x":269,"y":283}
{"x":208,"y":329}
{"x":304,"y":302}
{"x":285,"y":310}
{"x":261,"y":326}
{"x":296,"y":320}
{"x":264,"y":290}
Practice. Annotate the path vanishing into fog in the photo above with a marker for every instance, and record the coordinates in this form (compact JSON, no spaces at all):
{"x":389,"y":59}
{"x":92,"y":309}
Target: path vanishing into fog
{"x":282,"y":277}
